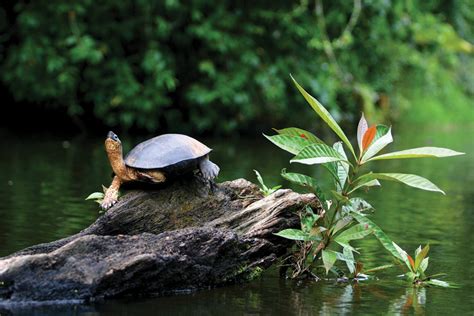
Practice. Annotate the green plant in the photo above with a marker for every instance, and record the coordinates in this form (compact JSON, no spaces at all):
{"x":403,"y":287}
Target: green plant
{"x":344,"y":219}
{"x":416,"y":267}
{"x":127,"y":63}
{"x":266,"y":191}
{"x":97,"y":197}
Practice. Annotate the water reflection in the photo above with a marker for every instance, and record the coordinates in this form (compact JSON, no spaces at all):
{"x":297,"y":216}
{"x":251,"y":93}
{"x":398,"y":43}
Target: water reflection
{"x":413,"y":301}
{"x":43,"y":183}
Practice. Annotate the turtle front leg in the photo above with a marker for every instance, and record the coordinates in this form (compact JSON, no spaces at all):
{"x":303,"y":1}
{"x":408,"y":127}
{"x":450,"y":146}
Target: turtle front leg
{"x":111,"y":195}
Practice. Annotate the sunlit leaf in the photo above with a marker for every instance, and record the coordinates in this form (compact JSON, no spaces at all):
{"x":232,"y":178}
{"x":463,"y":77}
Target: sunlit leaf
{"x":350,"y":263}
{"x":357,"y":205}
{"x":291,"y":144}
{"x":343,"y":222}
{"x":294,"y":131}
{"x":437,"y":282}
{"x":377,"y":146}
{"x":403,"y":255}
{"x":379,"y":234}
{"x":342,"y":168}
{"x":421,"y":255}
{"x":422,"y":152}
{"x":305,"y":181}
{"x":339,"y":197}
{"x":345,"y":244}
{"x":95,"y":196}
{"x":293,"y":234}
{"x":260,"y":180}
{"x":343,"y":257}
{"x":408,"y":179}
{"x":369,"y":183}
{"x":317,"y":154}
{"x":361,"y":129}
{"x":424,"y":264}
{"x":329,"y":258}
{"x":324,"y":114}
{"x":355,"y":232}
{"x":380,"y":268}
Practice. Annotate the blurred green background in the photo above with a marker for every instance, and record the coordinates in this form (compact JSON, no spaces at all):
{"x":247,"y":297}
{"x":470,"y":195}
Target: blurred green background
{"x":222,"y":67}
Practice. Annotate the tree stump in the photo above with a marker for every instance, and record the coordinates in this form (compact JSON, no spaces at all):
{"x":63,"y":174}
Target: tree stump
{"x":184,"y":235}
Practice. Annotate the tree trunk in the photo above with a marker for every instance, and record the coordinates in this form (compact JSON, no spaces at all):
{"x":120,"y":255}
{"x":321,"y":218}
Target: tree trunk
{"x":184,"y":235}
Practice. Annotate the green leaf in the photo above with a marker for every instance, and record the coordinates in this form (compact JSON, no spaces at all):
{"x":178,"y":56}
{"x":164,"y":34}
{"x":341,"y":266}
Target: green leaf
{"x":342,"y":168}
{"x":294,"y":131}
{"x":260,"y":180}
{"x":343,"y":222}
{"x":309,"y":219}
{"x":357,"y":205}
{"x":379,"y":268}
{"x":408,"y":179}
{"x":293,"y":234}
{"x":422,"y":152}
{"x":95,"y":196}
{"x":361,"y":129}
{"x":439,"y":283}
{"x":291,"y":144}
{"x":339,"y":197}
{"x":369,"y":183}
{"x":347,"y":252}
{"x":424,"y":264}
{"x":317,"y":154}
{"x":324,"y":114}
{"x":305,"y":181}
{"x":379,"y":142}
{"x":421,"y":255}
{"x":379,"y":234}
{"x":329,"y":258}
{"x":404,"y":256}
{"x":355,"y":232}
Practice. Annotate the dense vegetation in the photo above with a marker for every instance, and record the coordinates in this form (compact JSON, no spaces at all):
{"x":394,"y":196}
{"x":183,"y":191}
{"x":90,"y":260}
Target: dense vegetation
{"x":218,"y":67}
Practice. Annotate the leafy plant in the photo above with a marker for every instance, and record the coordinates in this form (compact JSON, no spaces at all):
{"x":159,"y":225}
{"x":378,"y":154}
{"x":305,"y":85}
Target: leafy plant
{"x":263,"y":188}
{"x":326,"y":238}
{"x":417,"y":267}
{"x":96,"y":197}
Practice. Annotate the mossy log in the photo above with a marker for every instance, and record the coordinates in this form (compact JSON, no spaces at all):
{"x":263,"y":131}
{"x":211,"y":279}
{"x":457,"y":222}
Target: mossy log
{"x":182,"y":236}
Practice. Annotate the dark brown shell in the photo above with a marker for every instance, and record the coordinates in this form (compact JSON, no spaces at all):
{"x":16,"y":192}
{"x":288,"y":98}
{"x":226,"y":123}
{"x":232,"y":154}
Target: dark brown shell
{"x":164,"y":151}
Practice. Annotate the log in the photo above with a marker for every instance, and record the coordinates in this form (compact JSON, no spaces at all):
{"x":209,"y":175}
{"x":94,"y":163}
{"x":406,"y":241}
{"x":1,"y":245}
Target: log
{"x":184,"y":235}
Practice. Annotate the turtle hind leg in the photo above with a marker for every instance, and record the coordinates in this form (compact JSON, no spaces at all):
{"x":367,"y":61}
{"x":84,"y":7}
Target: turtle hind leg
{"x":152,"y":176}
{"x":209,"y":170}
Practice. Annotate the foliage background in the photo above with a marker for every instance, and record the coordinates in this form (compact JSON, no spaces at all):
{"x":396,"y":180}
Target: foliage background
{"x":222,"y":67}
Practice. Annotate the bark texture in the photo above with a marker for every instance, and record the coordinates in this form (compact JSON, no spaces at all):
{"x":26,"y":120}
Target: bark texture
{"x":184,"y":235}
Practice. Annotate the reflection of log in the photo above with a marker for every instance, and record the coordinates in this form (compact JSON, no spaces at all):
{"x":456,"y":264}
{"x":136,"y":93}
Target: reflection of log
{"x":182,"y":236}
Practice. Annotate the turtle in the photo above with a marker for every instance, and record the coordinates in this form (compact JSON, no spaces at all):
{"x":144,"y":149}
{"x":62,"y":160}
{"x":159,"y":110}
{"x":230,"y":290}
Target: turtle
{"x":155,"y":160}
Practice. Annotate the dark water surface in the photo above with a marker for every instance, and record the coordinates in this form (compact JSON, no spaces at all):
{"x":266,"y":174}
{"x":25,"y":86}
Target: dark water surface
{"x":45,"y":178}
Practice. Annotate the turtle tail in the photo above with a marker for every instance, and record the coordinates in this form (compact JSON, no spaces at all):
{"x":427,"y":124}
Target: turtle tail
{"x":209,"y":170}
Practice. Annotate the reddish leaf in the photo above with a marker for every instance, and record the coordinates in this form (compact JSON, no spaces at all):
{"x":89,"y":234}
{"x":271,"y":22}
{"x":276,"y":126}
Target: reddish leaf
{"x":412,"y":263}
{"x":368,"y":137}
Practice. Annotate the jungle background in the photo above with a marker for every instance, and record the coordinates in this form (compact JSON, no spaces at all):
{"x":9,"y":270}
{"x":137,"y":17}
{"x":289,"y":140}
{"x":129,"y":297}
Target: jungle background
{"x":221,"y":68}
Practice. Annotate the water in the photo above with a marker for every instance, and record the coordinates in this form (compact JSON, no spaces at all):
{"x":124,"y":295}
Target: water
{"x":44,"y":179}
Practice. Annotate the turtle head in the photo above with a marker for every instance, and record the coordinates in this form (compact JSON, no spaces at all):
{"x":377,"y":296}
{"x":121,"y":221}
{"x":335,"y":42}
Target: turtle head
{"x":113,"y":143}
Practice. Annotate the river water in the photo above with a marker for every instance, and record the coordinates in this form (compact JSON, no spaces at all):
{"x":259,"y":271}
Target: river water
{"x":45,"y":178}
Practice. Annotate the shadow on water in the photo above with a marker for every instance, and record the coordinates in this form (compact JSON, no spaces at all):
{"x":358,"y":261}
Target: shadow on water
{"x":45,"y":179}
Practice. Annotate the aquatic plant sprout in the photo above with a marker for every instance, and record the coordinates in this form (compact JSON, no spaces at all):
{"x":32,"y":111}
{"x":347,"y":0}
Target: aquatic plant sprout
{"x":325,"y":238}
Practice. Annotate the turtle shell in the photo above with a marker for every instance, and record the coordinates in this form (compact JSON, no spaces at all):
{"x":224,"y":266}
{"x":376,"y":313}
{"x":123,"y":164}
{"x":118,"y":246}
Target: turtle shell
{"x":165,"y":151}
